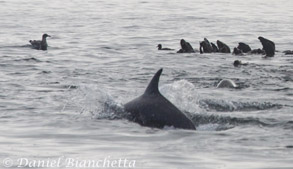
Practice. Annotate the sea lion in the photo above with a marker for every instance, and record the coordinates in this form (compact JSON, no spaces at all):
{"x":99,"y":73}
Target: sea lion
{"x":214,"y":47}
{"x":205,"y":46}
{"x":185,"y":47}
{"x":237,"y":51}
{"x":288,"y":52}
{"x":227,"y":83}
{"x":238,"y":63}
{"x":223,"y":48}
{"x":257,"y":51}
{"x":268,"y":46}
{"x":243,"y":47}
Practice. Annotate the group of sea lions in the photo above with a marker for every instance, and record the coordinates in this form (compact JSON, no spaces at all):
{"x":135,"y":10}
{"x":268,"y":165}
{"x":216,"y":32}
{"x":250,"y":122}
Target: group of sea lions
{"x":206,"y":47}
{"x":268,"y":48}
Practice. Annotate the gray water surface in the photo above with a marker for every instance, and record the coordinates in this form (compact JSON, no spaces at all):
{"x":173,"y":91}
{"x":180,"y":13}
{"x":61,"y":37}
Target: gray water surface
{"x":62,"y":103}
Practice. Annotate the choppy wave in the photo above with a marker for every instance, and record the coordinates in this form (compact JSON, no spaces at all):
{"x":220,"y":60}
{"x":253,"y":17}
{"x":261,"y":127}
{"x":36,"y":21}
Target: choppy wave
{"x":96,"y":102}
{"x":32,"y":59}
{"x":102,"y":54}
{"x":93,"y":101}
{"x":226,"y":105}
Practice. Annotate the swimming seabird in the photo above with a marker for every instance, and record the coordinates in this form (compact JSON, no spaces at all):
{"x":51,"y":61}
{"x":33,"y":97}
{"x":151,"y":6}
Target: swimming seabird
{"x":40,"y":44}
{"x":161,"y":48}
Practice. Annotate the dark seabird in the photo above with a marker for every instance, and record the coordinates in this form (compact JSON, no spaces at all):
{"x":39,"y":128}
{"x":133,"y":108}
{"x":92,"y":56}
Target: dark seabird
{"x":40,"y":44}
{"x":160,"y":47}
{"x":268,"y":46}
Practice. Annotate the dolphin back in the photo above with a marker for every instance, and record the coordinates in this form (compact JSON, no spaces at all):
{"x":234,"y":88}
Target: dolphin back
{"x":153,"y":110}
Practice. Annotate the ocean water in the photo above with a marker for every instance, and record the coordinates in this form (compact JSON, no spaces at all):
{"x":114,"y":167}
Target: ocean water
{"x":60,"y":108}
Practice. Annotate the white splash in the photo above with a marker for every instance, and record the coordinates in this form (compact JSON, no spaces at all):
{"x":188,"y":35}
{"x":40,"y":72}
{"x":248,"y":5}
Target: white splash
{"x":183,"y":95}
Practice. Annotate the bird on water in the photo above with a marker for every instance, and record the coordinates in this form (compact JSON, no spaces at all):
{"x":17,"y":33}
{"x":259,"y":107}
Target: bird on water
{"x":40,"y":44}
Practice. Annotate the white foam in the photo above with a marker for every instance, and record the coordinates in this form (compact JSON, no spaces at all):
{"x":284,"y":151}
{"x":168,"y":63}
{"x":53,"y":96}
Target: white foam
{"x":182,"y":94}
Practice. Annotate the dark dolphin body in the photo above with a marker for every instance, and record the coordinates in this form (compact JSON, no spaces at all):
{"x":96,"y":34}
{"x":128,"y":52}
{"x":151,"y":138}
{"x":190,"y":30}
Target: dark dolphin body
{"x":40,"y":44}
{"x":268,"y":46}
{"x":223,"y":48}
{"x":154,"y":110}
{"x":185,"y":47}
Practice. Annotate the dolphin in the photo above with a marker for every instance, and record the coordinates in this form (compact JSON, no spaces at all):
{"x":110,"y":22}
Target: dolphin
{"x":152,"y":109}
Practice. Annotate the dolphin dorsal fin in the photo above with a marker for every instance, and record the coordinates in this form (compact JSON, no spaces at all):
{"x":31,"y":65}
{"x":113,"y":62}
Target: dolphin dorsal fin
{"x":153,"y":87}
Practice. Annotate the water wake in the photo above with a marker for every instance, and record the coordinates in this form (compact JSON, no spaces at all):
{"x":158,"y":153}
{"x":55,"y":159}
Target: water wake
{"x":226,"y":105}
{"x":99,"y":104}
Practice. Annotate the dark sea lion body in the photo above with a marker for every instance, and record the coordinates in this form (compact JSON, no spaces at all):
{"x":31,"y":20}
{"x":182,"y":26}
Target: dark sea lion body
{"x":237,"y":51}
{"x":185,"y":47}
{"x":214,"y":47}
{"x":288,"y":52}
{"x":223,"y":48}
{"x":268,"y":46}
{"x":205,"y":46}
{"x":226,"y":83}
{"x":238,"y":63}
{"x":257,"y":51}
{"x":244,"y":47}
